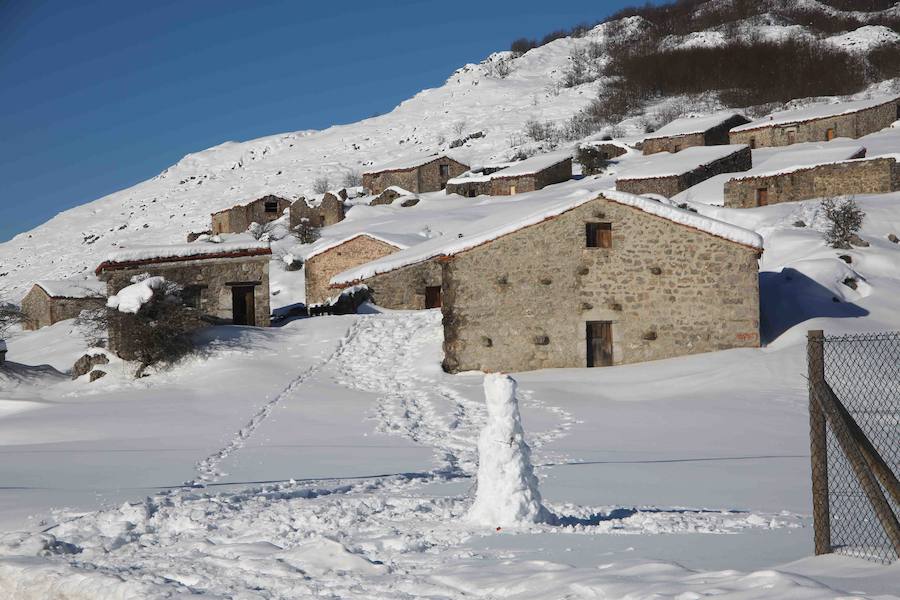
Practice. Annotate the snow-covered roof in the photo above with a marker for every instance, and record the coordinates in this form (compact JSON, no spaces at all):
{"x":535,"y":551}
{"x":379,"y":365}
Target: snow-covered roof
{"x":399,"y":241}
{"x":690,"y":125}
{"x":529,"y":166}
{"x":179,"y":252}
{"x":521,"y":215}
{"x":249,"y":202}
{"x":411,"y":162}
{"x":770,"y":172}
{"x":72,"y":288}
{"x":815,"y":111}
{"x":666,"y":164}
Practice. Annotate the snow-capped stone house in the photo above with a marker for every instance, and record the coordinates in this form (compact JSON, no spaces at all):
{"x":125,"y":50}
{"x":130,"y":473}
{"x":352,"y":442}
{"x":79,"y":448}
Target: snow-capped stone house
{"x":414,"y":286}
{"x":237,"y":219}
{"x":668,"y":174}
{"x":418,"y":175}
{"x":710,"y":130}
{"x":328,"y":257}
{"x":50,"y":301}
{"x":819,"y":122}
{"x":322,"y":212}
{"x":529,"y":175}
{"x":225,"y":283}
{"x":874,"y":175}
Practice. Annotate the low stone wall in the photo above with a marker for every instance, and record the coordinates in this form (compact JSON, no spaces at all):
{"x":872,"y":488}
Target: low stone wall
{"x":404,"y":289}
{"x":328,"y":212}
{"x":866,"y":176}
{"x":42,"y":310}
{"x":320,"y":268}
{"x":669,"y":186}
{"x":470,"y":189}
{"x":672,"y":143}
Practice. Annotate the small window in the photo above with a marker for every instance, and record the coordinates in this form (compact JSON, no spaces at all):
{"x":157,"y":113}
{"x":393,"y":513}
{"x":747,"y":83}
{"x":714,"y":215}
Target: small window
{"x":753,"y":143}
{"x":676,"y":148}
{"x":190,"y":296}
{"x":598,"y":235}
{"x":271,"y":206}
{"x":445,"y":170}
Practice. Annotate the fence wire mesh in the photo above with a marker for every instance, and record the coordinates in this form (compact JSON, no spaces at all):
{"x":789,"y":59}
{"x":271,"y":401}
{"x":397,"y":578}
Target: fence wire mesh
{"x":864,"y":372}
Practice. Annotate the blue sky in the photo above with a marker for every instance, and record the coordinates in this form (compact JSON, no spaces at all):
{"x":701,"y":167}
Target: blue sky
{"x":97,"y":96}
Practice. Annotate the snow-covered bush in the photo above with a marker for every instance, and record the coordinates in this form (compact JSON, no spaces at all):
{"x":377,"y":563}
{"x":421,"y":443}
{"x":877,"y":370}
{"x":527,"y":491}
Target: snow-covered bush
{"x":10,"y":316}
{"x":306,"y":232}
{"x":845,"y":220}
{"x":507,"y":492}
{"x":263,"y":232}
{"x":592,"y":161}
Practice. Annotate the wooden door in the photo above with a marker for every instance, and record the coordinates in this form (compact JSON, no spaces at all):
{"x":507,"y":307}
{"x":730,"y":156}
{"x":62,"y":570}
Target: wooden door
{"x":762,"y":197}
{"x":792,"y":137}
{"x":243,"y":305}
{"x":829,"y":134}
{"x":599,"y":344}
{"x":433,"y":296}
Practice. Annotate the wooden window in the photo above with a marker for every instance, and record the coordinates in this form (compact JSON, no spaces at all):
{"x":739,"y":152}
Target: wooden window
{"x":271,"y":206}
{"x":762,"y":196}
{"x":445,"y":170}
{"x":433,"y":296}
{"x":598,"y":235}
{"x":829,"y":134}
{"x":599,"y":343}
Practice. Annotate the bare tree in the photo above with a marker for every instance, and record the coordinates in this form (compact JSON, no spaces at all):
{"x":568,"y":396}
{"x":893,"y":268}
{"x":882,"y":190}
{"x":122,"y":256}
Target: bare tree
{"x":10,"y":316}
{"x":352,"y":178}
{"x":321,"y":184}
{"x":459,"y":127}
{"x":846,"y":219}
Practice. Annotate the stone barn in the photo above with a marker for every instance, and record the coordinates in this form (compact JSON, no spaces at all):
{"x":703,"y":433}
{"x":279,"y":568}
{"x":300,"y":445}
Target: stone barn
{"x":237,"y":219}
{"x":423,"y":174}
{"x":328,"y":257}
{"x":668,"y":174}
{"x":596,"y":281}
{"x":710,"y":130}
{"x":318,"y":213}
{"x":225,"y":283}
{"x":397,"y":285}
{"x":50,"y":301}
{"x":874,"y":175}
{"x":529,"y":175}
{"x":820,"y":122}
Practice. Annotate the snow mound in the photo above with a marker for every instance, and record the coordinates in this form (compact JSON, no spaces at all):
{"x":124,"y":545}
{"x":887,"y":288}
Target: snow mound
{"x":508,"y":491}
{"x":130,"y":299}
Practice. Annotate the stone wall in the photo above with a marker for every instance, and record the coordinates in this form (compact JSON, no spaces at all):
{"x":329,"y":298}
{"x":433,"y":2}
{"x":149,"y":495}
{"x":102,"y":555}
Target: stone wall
{"x":352,"y":253}
{"x":42,"y":310}
{"x":424,"y":178}
{"x":328,"y":212}
{"x":869,"y":176}
{"x":470,"y":189}
{"x":238,"y":218}
{"x":503,"y":186}
{"x":404,"y":289}
{"x":522,"y":301}
{"x":714,"y":136}
{"x":669,"y":186}
{"x":852,"y":125}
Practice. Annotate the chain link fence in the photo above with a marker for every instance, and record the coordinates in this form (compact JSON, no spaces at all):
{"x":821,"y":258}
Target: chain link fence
{"x":863,"y":372}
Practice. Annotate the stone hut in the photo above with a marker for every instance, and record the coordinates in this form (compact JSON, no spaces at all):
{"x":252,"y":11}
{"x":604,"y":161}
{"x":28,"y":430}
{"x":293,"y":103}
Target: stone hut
{"x":318,"y":213}
{"x":529,"y":175}
{"x":237,"y":219}
{"x":328,"y":257}
{"x":390,"y":194}
{"x":668,"y":174}
{"x":710,"y":130}
{"x":423,"y":174}
{"x":400,"y":286}
{"x":820,"y":122}
{"x":225,"y":283}
{"x":597,"y":281}
{"x":50,"y":301}
{"x":875,"y":175}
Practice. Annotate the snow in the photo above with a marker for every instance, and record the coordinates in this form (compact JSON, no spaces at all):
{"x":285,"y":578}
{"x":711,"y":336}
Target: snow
{"x":402,"y":164}
{"x":72,"y":288}
{"x":533,"y":165}
{"x":507,"y":490}
{"x":865,"y":38}
{"x":666,"y":164}
{"x":184,"y":251}
{"x":815,"y":111}
{"x":773,"y":169}
{"x":131,"y":298}
{"x":689,"y":125}
{"x":325,"y":244}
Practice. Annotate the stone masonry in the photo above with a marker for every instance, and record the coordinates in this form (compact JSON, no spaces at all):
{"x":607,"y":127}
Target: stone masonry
{"x":238,"y":218}
{"x":505,"y":186}
{"x":321,"y":267}
{"x":328,"y":211}
{"x":426,"y":177}
{"x":405,"y":288}
{"x":42,"y":309}
{"x":523,"y":301}
{"x":851,"y":125}
{"x":714,"y":136}
{"x":862,"y":176}
{"x":670,"y":185}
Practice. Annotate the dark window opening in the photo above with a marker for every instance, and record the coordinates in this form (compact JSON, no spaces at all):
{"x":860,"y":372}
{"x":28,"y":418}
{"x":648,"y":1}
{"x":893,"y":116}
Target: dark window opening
{"x":598,"y":235}
{"x":271,"y":206}
{"x":753,"y":143}
{"x":433,"y":296}
{"x":190,"y":296}
{"x":599,"y":343}
{"x":445,"y":170}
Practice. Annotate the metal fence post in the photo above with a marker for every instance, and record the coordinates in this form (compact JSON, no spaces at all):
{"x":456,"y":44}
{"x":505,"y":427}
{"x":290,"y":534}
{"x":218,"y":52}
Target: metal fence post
{"x":815,"y":349}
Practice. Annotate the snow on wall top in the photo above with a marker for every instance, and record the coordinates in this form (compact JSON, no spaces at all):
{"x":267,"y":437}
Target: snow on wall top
{"x":183,"y":252}
{"x":517,"y":216}
{"x":666,"y":164}
{"x":529,"y":166}
{"x":72,"y":288}
{"x":767,"y":171}
{"x":815,"y":111}
{"x":690,"y":125}
{"x":399,"y":241}
{"x":403,"y":164}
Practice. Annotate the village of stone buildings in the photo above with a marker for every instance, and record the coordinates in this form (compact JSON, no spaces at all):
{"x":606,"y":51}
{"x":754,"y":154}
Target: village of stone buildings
{"x":602,"y":257}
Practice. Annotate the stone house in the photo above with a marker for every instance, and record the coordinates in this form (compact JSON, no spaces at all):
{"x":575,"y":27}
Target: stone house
{"x":225,"y":283}
{"x":50,"y":301}
{"x":875,"y":175}
{"x":668,"y":174}
{"x":529,"y":175}
{"x":601,"y":280}
{"x":328,"y":257}
{"x":423,"y":174}
{"x":414,"y":286}
{"x":318,"y":213}
{"x":237,"y":219}
{"x":710,"y":130}
{"x":821,"y":122}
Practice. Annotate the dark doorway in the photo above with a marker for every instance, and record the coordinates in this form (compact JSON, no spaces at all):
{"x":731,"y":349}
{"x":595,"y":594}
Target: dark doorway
{"x":243,"y":305}
{"x":762,"y":197}
{"x":599,"y":344}
{"x":433,"y":296}
{"x":829,"y":134}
